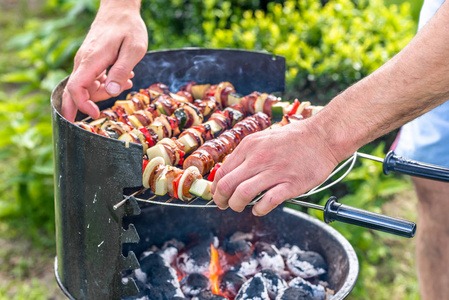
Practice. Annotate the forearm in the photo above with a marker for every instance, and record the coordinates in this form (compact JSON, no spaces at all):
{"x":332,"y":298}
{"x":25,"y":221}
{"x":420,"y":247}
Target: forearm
{"x":120,"y":4}
{"x":413,"y":82}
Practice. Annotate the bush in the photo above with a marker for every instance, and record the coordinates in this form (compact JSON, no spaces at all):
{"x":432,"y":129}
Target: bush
{"x":328,"y":47}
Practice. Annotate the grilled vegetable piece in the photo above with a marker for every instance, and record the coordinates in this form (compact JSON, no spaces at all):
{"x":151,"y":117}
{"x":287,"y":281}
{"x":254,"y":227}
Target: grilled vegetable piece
{"x":148,"y":173}
{"x":189,"y":176}
{"x":201,"y":188}
{"x":199,"y":91}
{"x":176,"y":182}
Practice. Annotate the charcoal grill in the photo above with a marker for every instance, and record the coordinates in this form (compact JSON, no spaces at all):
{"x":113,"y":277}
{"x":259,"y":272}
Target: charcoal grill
{"x":93,"y":173}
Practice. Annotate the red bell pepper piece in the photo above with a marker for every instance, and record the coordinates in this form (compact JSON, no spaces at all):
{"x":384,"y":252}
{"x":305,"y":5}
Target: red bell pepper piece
{"x":145,"y":163}
{"x":181,"y":157}
{"x":212,"y":173}
{"x":176,"y":184}
{"x":294,"y":107}
{"x":148,"y":136}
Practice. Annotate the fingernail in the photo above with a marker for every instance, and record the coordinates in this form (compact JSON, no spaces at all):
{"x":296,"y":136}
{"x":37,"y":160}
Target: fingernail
{"x":256,"y":213}
{"x":113,"y":88}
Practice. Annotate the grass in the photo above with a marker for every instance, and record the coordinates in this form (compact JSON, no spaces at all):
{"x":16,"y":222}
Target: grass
{"x":26,"y":267}
{"x":26,"y":271}
{"x":396,"y":275}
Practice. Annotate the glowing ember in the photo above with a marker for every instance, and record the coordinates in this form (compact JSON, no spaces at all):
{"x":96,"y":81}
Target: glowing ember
{"x":214,"y":270}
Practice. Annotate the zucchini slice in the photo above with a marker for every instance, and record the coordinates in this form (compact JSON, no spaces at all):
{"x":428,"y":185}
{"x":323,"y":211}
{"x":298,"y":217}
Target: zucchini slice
{"x":201,"y":188}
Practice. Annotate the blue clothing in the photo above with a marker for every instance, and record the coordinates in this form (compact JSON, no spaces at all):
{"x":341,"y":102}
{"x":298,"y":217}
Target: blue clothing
{"x":426,"y":139}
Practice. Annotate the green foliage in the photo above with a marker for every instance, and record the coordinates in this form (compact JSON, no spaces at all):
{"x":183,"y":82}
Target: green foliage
{"x":368,"y":188}
{"x":327,"y":47}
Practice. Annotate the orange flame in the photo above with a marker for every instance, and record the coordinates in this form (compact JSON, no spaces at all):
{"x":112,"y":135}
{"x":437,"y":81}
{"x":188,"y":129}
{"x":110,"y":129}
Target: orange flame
{"x":215,"y":270}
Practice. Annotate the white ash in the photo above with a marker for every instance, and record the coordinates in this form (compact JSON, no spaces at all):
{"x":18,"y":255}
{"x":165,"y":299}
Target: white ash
{"x":254,"y":289}
{"x":269,"y":257}
{"x":294,"y":293}
{"x":169,"y":254}
{"x":287,"y":249}
{"x":194,"y":284}
{"x":316,"y":291}
{"x":306,"y":264}
{"x":146,"y":253}
{"x":248,"y":267}
{"x":157,"y":271}
{"x":274,"y":283}
{"x":188,"y":265}
{"x":197,"y":258}
{"x":140,"y":275}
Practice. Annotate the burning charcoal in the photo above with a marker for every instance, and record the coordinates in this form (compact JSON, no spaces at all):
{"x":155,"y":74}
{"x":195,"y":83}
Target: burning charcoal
{"x":242,"y":236}
{"x":239,"y":247}
{"x":306,"y":264}
{"x":316,"y":291}
{"x":169,"y":254}
{"x":254,"y":288}
{"x":197,"y":258}
{"x":275,"y":284}
{"x":231,"y":283}
{"x":193,"y":284}
{"x":173,"y":243}
{"x":155,"y":271}
{"x":294,"y":293}
{"x":143,"y":291}
{"x":248,"y":267}
{"x":287,"y":249}
{"x":163,"y":291}
{"x":207,"y":295}
{"x":269,"y":257}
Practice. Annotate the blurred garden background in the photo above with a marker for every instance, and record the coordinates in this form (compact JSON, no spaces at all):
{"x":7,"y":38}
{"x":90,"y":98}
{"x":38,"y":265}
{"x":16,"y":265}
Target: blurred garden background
{"x":328,"y":46}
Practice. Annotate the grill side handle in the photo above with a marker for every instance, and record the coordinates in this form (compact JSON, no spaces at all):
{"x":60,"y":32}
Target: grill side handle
{"x":334,"y":211}
{"x":393,"y":162}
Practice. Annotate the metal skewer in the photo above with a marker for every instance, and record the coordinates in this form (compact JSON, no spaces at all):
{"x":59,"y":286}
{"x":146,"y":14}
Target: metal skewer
{"x":118,"y":205}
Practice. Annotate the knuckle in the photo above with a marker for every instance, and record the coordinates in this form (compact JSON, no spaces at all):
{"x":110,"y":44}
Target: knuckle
{"x":120,"y":71}
{"x":245,"y":192}
{"x":224,"y":187}
{"x":140,"y":47}
{"x":257,"y":157}
{"x":274,"y":200}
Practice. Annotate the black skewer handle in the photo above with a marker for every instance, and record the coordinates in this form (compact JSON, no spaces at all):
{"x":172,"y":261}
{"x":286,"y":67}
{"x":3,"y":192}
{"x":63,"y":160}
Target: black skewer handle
{"x":392,"y":162}
{"x":334,"y":211}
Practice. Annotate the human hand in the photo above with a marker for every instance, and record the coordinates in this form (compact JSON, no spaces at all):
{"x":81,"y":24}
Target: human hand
{"x":118,"y":39}
{"x":285,"y":162}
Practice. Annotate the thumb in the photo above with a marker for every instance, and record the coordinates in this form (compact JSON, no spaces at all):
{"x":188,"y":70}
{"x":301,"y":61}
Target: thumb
{"x":120,"y":72}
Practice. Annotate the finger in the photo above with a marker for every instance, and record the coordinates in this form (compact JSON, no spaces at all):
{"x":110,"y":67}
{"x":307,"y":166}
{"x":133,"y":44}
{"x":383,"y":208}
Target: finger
{"x":227,"y":185}
{"x":232,"y":161}
{"x":98,"y":92}
{"x":273,"y":197}
{"x":82,"y":82}
{"x":68,"y":107}
{"x":130,"y":54}
{"x":247,"y":190}
{"x":128,"y":85}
